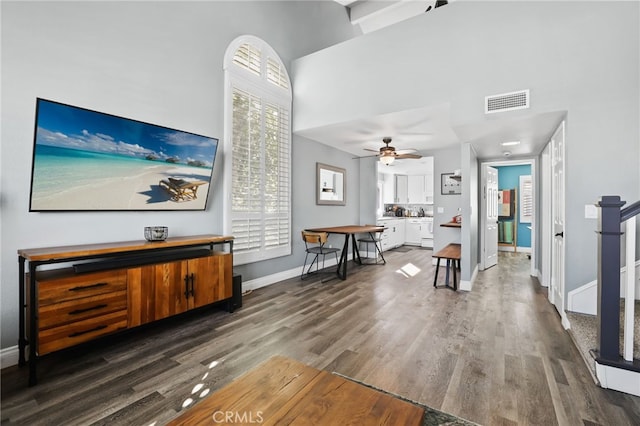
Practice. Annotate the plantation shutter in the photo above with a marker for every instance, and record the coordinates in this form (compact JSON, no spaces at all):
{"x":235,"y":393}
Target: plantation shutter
{"x":260,"y":211}
{"x":249,"y":58}
{"x":276,"y":74}
{"x":526,"y":199}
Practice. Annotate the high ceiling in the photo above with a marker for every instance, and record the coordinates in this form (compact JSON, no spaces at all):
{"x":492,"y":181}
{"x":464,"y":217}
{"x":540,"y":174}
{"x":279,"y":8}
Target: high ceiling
{"x":430,"y":128}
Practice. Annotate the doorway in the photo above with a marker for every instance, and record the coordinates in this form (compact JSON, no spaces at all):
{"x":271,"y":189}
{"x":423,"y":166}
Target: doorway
{"x":513,"y":227}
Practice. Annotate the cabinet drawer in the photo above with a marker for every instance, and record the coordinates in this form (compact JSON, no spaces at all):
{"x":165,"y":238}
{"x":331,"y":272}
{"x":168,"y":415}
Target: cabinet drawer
{"x":76,"y":310}
{"x":62,"y":287}
{"x":77,"y":332}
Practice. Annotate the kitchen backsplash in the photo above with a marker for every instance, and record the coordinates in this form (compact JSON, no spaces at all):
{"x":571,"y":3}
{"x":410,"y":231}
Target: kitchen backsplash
{"x":408,"y":210}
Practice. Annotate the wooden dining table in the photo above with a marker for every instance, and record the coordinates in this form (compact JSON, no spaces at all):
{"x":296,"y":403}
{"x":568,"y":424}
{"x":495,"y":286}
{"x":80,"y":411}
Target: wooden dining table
{"x":349,"y":232}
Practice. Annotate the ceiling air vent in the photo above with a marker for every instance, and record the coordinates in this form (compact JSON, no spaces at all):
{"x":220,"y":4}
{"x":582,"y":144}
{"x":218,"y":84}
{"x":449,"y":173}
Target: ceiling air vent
{"x":506,"y":102}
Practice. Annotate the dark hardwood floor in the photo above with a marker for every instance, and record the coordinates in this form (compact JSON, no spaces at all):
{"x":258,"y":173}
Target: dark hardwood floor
{"x":496,"y":356}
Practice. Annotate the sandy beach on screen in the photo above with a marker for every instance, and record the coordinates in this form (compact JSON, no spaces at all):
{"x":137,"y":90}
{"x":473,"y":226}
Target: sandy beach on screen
{"x":139,"y":192}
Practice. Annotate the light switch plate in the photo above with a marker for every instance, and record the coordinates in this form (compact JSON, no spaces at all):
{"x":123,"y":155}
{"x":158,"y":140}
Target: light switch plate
{"x":440,"y":209}
{"x":590,"y":211}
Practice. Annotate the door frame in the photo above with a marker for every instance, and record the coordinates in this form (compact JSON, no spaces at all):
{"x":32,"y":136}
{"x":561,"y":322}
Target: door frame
{"x":536,"y":200}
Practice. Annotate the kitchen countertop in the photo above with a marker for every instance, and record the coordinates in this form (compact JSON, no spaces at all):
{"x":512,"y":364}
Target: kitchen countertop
{"x":404,"y":217}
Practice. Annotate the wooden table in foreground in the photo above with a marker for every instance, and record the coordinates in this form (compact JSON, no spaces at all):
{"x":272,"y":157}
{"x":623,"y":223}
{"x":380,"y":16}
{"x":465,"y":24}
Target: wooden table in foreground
{"x":284,"y":391}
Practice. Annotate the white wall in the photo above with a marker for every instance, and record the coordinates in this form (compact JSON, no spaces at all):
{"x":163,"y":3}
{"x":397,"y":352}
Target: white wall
{"x":445,"y":207}
{"x":159,"y":62}
{"x":470,"y":206}
{"x":580,"y":57}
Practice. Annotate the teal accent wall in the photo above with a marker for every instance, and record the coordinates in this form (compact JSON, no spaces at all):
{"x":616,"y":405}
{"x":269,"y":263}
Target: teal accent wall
{"x":509,"y":178}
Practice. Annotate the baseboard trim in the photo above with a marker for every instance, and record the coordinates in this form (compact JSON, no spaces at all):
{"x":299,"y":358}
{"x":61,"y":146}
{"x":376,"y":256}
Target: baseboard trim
{"x":277,"y":277}
{"x":9,"y":356}
{"x":618,"y":379}
{"x":468,"y":285}
{"x":584,"y":299}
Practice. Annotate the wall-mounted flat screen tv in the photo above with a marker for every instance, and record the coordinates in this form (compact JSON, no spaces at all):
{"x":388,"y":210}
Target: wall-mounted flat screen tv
{"x":85,"y":160}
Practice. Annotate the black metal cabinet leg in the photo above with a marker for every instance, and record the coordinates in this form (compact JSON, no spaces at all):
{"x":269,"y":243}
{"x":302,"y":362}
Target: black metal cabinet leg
{"x":33,"y":327}
{"x":22,"y":341}
{"x":435,"y":280}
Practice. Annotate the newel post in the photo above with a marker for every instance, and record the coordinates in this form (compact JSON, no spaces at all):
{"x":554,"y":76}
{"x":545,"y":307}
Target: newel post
{"x":609,"y":277}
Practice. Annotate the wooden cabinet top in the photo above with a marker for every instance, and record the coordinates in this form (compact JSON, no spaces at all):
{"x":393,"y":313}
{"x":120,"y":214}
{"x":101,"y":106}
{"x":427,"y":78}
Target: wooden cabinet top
{"x":89,"y":250}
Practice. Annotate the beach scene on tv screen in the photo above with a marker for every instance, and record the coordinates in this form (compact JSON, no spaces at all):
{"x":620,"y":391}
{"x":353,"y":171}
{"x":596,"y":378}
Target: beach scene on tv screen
{"x":87,"y":160}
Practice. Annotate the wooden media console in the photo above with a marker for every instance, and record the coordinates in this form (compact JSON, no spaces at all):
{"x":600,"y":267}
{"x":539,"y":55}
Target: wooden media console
{"x":99,"y":289}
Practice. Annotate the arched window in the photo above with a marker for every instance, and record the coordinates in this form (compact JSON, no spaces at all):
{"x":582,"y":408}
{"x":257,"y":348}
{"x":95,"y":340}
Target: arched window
{"x":257,"y":165}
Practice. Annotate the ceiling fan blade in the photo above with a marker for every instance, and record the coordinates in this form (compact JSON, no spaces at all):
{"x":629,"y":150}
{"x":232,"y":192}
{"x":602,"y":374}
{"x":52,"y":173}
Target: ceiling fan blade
{"x":372,"y":150}
{"x":407,"y":151}
{"x":415,"y":156}
{"x":366,"y":156}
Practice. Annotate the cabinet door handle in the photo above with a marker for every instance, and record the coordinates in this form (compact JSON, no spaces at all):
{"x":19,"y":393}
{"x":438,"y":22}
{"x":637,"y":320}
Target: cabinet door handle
{"x":186,"y":286}
{"x":193,"y":278}
{"x":88,"y":287}
{"x":80,"y":333}
{"x":81,"y":311}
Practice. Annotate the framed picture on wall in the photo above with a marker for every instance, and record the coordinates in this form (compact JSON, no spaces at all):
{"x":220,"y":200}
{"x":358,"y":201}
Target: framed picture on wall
{"x":450,"y":184}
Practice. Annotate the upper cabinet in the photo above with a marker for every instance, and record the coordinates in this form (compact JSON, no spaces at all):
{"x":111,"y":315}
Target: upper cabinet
{"x":416,"y":189}
{"x":402,"y":189}
{"x":388,"y":188}
{"x":420,"y":189}
{"x":409,"y":185}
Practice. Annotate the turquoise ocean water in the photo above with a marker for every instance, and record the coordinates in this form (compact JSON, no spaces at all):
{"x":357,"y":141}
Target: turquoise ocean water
{"x":57,"y":170}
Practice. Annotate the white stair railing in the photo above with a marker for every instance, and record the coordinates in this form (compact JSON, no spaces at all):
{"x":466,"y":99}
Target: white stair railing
{"x":630,"y":288}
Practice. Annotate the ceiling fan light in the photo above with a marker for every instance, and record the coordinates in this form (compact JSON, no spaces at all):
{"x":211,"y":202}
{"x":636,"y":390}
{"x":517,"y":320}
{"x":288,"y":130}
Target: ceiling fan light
{"x":387,"y":159}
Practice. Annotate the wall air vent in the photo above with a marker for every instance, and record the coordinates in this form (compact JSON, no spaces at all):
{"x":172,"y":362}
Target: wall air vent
{"x":506,"y":102}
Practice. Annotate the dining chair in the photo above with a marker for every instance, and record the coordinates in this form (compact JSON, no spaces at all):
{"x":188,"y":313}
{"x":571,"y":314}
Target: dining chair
{"x":315,"y":245}
{"x":374,"y":238}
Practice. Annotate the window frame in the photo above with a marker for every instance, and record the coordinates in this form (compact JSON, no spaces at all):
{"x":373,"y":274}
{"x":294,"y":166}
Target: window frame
{"x":238,"y":78}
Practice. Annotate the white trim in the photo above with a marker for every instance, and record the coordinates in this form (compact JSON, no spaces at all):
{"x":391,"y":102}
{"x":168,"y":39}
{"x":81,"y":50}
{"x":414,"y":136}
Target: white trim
{"x":584,"y":298}
{"x":9,"y":356}
{"x":618,"y":379}
{"x":516,"y":249}
{"x":468,"y":285}
{"x":278,"y":276}
{"x":538,"y":274}
{"x":564,"y":320}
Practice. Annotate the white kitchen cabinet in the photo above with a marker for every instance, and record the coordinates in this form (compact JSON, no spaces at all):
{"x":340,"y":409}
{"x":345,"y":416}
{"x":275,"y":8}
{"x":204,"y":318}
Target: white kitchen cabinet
{"x":412,"y":232}
{"x":394,"y":235}
{"x":388,"y":188}
{"x":399,"y":235}
{"x":428,"y":188}
{"x":401,"y":194}
{"x":416,"y":189}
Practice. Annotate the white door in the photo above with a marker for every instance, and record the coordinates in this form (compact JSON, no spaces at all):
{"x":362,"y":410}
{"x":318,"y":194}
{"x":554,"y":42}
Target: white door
{"x":546,"y":232}
{"x":557,"y":212}
{"x":490,"y":252}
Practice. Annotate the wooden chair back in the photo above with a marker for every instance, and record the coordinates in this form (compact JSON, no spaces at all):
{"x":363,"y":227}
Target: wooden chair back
{"x":314,"y":237}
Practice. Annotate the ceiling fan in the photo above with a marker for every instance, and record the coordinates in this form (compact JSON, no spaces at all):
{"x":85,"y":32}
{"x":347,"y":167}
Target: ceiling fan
{"x":388,"y":153}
